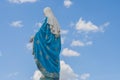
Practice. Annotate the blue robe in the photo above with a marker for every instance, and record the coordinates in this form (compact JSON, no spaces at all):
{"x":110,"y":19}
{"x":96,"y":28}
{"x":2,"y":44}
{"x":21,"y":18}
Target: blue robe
{"x":46,"y":51}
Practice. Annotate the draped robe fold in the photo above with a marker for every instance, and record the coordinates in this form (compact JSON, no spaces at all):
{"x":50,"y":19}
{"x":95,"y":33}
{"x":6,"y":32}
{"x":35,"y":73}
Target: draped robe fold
{"x":46,"y":51}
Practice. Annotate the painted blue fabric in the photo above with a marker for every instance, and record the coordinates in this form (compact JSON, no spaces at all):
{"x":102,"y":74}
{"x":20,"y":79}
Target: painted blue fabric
{"x":46,"y":51}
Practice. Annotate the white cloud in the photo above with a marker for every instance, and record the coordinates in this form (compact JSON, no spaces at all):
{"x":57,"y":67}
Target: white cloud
{"x":66,"y":73}
{"x":22,"y":1}
{"x":17,"y":24}
{"x":29,"y":46}
{"x":64,"y":31}
{"x":69,"y":52}
{"x":84,"y":26}
{"x":102,"y":27}
{"x":12,"y":75}
{"x":84,"y":76}
{"x":80,"y":43}
{"x":106,"y":24}
{"x":67,"y":3}
{"x":39,"y":24}
{"x":89,"y":43}
{"x":77,"y":43}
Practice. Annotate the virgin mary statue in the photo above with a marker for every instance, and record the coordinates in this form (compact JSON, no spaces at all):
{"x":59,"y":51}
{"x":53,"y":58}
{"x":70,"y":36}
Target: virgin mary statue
{"x":47,"y":47}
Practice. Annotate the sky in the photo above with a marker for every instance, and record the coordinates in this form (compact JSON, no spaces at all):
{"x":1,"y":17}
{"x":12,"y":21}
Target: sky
{"x":89,"y":38}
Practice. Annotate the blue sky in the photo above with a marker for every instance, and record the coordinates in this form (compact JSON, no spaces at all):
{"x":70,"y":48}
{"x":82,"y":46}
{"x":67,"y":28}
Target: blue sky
{"x":90,"y":38}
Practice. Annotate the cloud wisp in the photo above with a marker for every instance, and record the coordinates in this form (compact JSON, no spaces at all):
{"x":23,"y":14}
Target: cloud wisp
{"x":67,"y":3}
{"x":38,"y":24}
{"x":79,"y":43}
{"x":29,"y":46}
{"x":86,"y":27}
{"x":22,"y":1}
{"x":64,"y":31}
{"x":84,"y":76}
{"x":13,"y":75}
{"x":17,"y":24}
{"x":69,"y":53}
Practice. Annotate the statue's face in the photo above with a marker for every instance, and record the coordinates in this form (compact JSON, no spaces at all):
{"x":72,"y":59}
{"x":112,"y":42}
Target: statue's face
{"x":47,"y":11}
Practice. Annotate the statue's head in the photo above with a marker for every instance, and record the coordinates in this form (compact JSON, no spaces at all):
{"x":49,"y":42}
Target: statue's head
{"x":55,"y":28}
{"x":47,"y":11}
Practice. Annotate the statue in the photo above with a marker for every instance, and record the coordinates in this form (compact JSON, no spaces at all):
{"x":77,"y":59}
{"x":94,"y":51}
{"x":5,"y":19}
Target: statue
{"x":47,"y":47}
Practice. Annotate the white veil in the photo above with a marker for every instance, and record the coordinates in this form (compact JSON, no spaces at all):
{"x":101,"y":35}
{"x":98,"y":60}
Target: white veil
{"x":54,"y":25}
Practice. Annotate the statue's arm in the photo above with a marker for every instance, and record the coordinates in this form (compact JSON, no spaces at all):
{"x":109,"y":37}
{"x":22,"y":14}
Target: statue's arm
{"x":31,"y":39}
